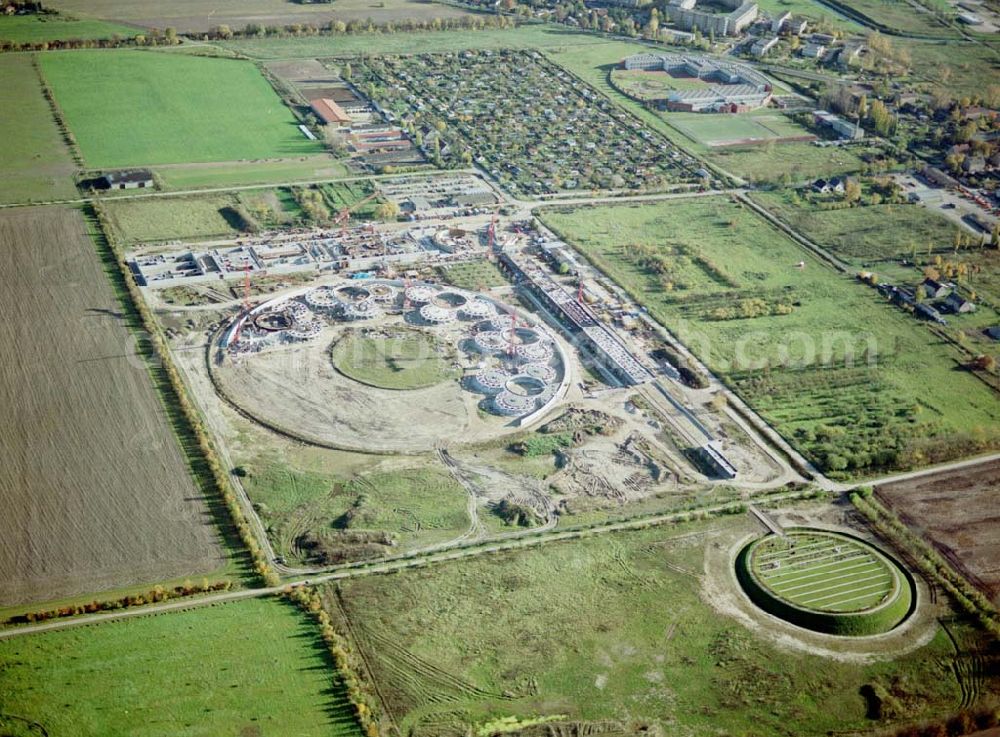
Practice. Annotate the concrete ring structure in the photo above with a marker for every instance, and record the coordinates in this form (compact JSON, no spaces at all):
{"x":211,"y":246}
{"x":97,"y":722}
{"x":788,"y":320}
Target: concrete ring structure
{"x":297,"y":310}
{"x":450,"y":299}
{"x":436,"y":314}
{"x":490,"y":341}
{"x":306,"y":330}
{"x":322,"y":298}
{"x":274,"y":321}
{"x":383,"y":293}
{"x":541,"y":371}
{"x":534,"y":352}
{"x":309,"y":399}
{"x":513,"y":405}
{"x":420,"y":294}
{"x":477,"y":309}
{"x":490,"y":380}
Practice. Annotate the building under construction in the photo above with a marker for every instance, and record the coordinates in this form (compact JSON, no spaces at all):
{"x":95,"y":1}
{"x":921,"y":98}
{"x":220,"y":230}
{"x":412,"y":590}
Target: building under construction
{"x":581,"y":322}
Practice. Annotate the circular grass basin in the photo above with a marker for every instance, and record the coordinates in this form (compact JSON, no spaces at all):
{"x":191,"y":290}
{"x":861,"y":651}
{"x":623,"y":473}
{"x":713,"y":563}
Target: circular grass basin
{"x":403,"y":359}
{"x":826,"y":581}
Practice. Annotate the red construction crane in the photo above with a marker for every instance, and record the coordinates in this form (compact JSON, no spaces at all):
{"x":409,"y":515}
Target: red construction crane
{"x":344,"y":215}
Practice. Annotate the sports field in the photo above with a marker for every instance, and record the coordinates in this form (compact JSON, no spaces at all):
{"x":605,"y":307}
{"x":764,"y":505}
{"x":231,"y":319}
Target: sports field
{"x":403,"y":360}
{"x":256,"y":667}
{"x":721,"y":129}
{"x":653,"y":84}
{"x":831,"y":574}
{"x":129,"y":108}
{"x":35,"y":164}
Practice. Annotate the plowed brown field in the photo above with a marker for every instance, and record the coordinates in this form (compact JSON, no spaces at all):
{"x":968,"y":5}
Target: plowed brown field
{"x":959,"y":512}
{"x":95,"y":492}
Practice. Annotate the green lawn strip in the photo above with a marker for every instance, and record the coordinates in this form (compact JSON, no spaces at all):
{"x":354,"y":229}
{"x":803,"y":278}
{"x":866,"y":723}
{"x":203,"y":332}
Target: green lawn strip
{"x":251,"y":667}
{"x":38,"y":28}
{"x":236,"y":173}
{"x":35,"y":164}
{"x":489,"y":637}
{"x":474,"y":275}
{"x":910,"y":407}
{"x":180,"y":109}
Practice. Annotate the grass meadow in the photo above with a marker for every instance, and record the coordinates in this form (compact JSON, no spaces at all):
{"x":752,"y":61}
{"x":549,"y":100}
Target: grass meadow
{"x":415,"y":505}
{"x":170,"y":218}
{"x":607,"y":629}
{"x":131,"y":108}
{"x":529,"y":36}
{"x":856,"y":383}
{"x":35,"y":163}
{"x":255,"y":667}
{"x":863,"y":234}
{"x":233,"y":173}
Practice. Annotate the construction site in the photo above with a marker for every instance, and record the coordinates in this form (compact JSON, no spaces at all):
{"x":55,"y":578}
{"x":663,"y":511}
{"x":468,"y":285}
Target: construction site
{"x":544,"y":395}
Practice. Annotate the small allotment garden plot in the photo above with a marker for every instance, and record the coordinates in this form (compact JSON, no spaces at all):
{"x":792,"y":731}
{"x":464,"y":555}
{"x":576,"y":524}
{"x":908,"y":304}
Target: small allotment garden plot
{"x":534,"y":126}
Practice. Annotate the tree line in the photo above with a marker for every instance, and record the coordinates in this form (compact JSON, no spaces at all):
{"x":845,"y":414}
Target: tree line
{"x":156,"y":594}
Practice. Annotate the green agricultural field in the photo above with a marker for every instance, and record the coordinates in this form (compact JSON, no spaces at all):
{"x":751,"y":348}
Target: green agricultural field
{"x":230,"y":173}
{"x":35,"y":164}
{"x":810,"y":9}
{"x":797,"y":161}
{"x":350,"y":514}
{"x":610,"y":629}
{"x":529,"y":36}
{"x":408,"y":359}
{"x":342,"y":195}
{"x":863,"y":234}
{"x":180,"y":109}
{"x":170,"y":218}
{"x":255,"y":667}
{"x":38,"y":28}
{"x":857,"y":384}
{"x":473,"y":275}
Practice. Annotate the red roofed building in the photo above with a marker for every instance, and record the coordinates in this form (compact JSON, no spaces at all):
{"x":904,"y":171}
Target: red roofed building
{"x":329,"y":112}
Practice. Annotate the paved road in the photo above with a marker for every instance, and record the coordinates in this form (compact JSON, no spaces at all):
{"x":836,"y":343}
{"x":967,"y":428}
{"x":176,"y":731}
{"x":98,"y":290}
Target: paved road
{"x":933,"y":470}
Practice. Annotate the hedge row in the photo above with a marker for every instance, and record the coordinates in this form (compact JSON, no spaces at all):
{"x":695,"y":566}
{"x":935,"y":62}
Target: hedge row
{"x":178,"y":396}
{"x":858,"y":624}
{"x":155,"y":594}
{"x":347,"y":675}
{"x":969,"y":599}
